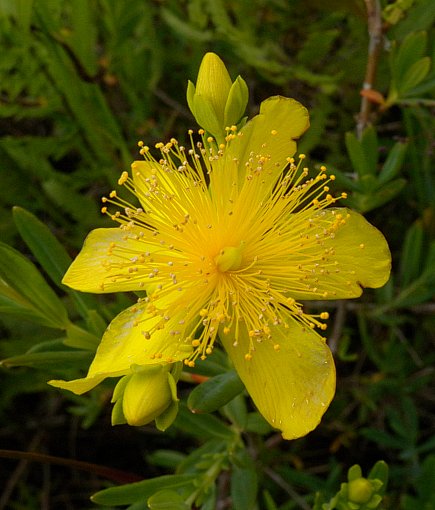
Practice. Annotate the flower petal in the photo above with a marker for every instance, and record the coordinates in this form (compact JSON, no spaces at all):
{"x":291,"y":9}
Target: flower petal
{"x":145,"y":174}
{"x":271,"y":134}
{"x":132,"y":339}
{"x":291,"y":387}
{"x":97,"y":269}
{"x":359,"y":257}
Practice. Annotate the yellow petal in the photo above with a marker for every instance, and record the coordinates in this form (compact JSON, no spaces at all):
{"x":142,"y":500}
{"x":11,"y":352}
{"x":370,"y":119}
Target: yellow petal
{"x":97,"y":269}
{"x":361,"y":257}
{"x":144,"y":174}
{"x":291,"y":387}
{"x":271,"y":134}
{"x":132,"y":339}
{"x":79,"y":386}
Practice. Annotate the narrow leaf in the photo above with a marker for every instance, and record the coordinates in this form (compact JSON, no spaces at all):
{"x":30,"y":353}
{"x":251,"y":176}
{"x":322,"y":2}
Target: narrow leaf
{"x":26,"y":290}
{"x":215,"y":393}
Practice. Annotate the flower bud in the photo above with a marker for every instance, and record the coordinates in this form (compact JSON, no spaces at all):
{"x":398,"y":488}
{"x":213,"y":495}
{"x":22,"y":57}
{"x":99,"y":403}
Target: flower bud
{"x":360,"y":491}
{"x":216,"y":102}
{"x":142,"y":396}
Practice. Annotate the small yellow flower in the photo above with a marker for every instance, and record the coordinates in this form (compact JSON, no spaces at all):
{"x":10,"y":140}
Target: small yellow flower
{"x":227,"y":240}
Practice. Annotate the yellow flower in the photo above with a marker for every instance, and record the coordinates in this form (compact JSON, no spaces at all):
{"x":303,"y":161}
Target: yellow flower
{"x":227,"y":241}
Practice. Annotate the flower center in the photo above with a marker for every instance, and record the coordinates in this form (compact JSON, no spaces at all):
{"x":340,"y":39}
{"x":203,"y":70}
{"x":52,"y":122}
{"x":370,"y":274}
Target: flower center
{"x":229,"y":259}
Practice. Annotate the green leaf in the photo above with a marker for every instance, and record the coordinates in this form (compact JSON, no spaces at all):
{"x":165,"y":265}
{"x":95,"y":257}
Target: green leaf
{"x":412,"y":254}
{"x":165,"y":458}
{"x":215,"y":393}
{"x":46,"y":359}
{"x":236,"y":411}
{"x":414,"y":75}
{"x":184,"y":29}
{"x":24,"y":292}
{"x":257,"y":424}
{"x":203,"y":457}
{"x":371,"y":199}
{"x":168,"y":416}
{"x":52,"y":256}
{"x":393,"y":163}
{"x":412,"y":49}
{"x":167,"y":500}
{"x":81,"y":339}
{"x":130,"y":493}
{"x":357,"y":156}
{"x":380,"y":472}
{"x":244,"y":482}
{"x":369,"y":144}
{"x":202,"y":425}
{"x":83,"y":36}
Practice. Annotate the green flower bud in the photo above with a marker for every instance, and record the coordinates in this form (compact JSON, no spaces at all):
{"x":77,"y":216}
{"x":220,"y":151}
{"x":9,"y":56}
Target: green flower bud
{"x":216,"y":102}
{"x":142,"y":396}
{"x":360,"y":491}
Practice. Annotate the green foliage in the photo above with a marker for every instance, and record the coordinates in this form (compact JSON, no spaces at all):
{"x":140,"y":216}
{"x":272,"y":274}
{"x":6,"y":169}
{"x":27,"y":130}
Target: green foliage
{"x":358,"y":493}
{"x":80,"y":83}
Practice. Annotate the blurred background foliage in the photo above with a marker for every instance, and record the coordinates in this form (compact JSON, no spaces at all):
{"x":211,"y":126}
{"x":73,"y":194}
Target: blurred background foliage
{"x":80,"y":83}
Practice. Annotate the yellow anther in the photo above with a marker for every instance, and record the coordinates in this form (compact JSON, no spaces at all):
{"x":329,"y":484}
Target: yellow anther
{"x":362,"y":246}
{"x":140,"y":143}
{"x":209,"y":350}
{"x":332,"y":177}
{"x":196,"y":343}
{"x":302,"y":156}
{"x":210,"y":139}
{"x":112,"y":194}
{"x":233,"y":128}
{"x":277,"y":347}
{"x":248,"y":357}
{"x":203,"y":312}
{"x":123,"y":179}
{"x":251,"y":333}
{"x":323,"y":168}
{"x":344,"y":195}
{"x":226,"y":330}
{"x":104,"y":210}
{"x":159,"y":145}
{"x":201,"y":131}
{"x":274,"y":132}
{"x":324,"y":315}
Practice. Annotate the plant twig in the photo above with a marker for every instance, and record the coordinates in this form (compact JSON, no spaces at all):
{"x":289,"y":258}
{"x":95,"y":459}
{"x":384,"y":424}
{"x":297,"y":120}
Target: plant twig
{"x":374,"y":20}
{"x":106,"y":472}
{"x":287,"y":488}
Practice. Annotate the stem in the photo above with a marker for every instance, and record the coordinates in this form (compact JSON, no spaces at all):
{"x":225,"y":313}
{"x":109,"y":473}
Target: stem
{"x":374,"y":21}
{"x":106,"y":472}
